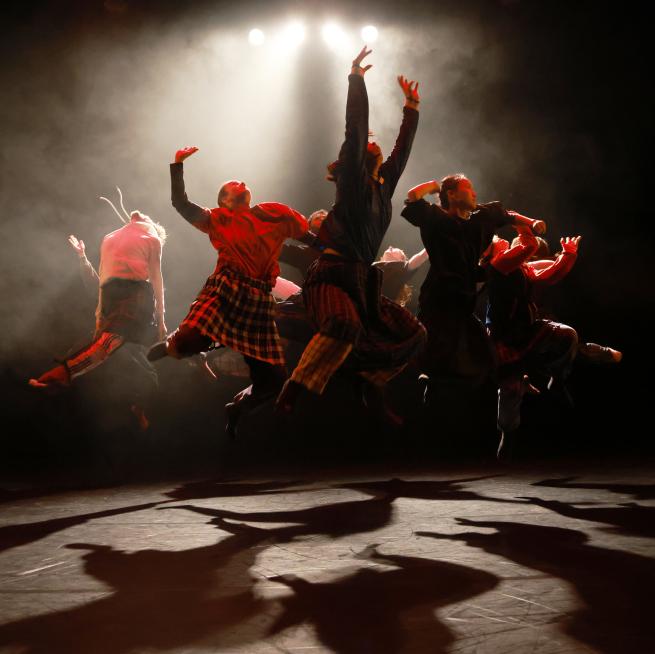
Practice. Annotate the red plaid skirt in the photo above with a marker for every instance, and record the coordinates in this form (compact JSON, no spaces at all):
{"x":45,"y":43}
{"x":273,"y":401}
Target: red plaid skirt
{"x":238,"y":312}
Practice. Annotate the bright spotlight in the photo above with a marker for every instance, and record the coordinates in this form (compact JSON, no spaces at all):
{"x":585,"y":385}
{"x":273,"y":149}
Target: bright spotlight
{"x":369,"y":34}
{"x":333,"y":35}
{"x":256,"y":37}
{"x":294,"y":34}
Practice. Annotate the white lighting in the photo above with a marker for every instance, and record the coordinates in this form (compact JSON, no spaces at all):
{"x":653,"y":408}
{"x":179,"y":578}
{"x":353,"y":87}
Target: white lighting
{"x":256,"y":37}
{"x":369,"y":34}
{"x":333,"y":35}
{"x":294,"y":34}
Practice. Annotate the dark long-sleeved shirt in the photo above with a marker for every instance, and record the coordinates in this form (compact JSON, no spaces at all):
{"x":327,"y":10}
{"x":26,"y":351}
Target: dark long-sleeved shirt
{"x":248,"y":239}
{"x":299,"y":256}
{"x":361,"y":213}
{"x":454,"y":246}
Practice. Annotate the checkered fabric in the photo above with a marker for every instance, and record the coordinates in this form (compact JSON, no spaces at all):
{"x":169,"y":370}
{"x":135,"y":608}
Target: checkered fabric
{"x":344,"y":300}
{"x":238,"y":312}
{"x":322,"y":357}
{"x":127,"y":307}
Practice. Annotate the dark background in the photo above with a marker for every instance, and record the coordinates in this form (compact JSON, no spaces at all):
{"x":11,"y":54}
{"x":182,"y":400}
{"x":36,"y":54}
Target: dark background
{"x":545,"y":106}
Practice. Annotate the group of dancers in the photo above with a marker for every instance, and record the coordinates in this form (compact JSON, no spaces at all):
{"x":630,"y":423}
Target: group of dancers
{"x":350,"y":312}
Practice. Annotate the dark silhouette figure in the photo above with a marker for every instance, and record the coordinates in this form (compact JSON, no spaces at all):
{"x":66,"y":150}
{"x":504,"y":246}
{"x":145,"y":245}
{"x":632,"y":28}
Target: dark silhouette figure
{"x":159,"y":600}
{"x":206,"y":489}
{"x":16,"y":535}
{"x":375,"y":611}
{"x":449,"y":489}
{"x":628,"y":518}
{"x":615,"y":587}
{"x":638,"y":491}
{"x":333,"y":520}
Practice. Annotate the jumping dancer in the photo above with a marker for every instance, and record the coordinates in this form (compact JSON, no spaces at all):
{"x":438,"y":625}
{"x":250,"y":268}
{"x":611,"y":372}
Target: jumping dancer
{"x":235,"y":308}
{"x":131,"y":296}
{"x":357,"y":327}
{"x":455,"y":235}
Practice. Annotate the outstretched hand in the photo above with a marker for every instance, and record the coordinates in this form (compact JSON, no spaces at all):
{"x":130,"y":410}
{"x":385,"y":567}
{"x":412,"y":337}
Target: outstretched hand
{"x":410,"y":89}
{"x":570,"y":244}
{"x":357,"y":68}
{"x":185,"y":153}
{"x":78,"y":246}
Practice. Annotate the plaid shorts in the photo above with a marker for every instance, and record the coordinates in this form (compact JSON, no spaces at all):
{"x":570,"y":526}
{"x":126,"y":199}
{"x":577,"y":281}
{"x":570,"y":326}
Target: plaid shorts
{"x":238,"y":312}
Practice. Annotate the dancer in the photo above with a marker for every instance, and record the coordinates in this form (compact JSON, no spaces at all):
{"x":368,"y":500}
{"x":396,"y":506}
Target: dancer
{"x":131,"y":297}
{"x":235,"y":307}
{"x":525,"y":344}
{"x":397,"y":272}
{"x":592,"y":353}
{"x":455,"y":234}
{"x":357,"y":326}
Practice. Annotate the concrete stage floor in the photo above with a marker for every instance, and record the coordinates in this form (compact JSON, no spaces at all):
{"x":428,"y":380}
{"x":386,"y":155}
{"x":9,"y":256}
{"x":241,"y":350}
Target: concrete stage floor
{"x":376,"y":561}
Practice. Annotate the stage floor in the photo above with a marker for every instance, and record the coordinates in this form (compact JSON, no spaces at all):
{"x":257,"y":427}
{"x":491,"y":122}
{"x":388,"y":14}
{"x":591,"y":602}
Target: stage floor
{"x":461,"y":560}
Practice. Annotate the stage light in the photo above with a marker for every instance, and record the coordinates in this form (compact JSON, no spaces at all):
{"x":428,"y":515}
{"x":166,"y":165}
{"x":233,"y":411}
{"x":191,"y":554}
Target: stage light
{"x":256,"y":37}
{"x":294,"y":34}
{"x":333,"y":35}
{"x":369,"y":34}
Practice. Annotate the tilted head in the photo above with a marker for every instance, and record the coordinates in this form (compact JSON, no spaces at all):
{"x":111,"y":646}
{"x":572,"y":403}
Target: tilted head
{"x":373,"y":160}
{"x":156,"y":229}
{"x":457,"y":192}
{"x":374,"y":157}
{"x":234,"y":194}
{"x":316,"y":220}
{"x":394,"y":254}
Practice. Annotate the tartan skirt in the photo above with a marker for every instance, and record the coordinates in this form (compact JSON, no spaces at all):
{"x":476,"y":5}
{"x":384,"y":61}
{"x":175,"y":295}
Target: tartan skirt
{"x":127,"y":307}
{"x":238,"y":312}
{"x":344,"y":300}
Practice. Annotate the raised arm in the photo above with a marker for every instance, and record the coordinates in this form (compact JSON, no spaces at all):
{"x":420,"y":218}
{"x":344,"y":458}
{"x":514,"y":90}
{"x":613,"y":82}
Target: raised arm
{"x":512,"y":258}
{"x":353,"y":150}
{"x":560,"y":268}
{"x":395,"y":164}
{"x":417,"y":260}
{"x":537,"y":226}
{"x":87,"y":271}
{"x":157,"y":281}
{"x":196,"y":215}
{"x":421,"y":190}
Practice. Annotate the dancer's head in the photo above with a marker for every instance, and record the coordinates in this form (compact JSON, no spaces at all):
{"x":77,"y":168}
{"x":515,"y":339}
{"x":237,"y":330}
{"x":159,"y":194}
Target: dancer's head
{"x":316,"y":220}
{"x":374,"y":158}
{"x":393,"y":254}
{"x":457,"y":193}
{"x":234,"y":194}
{"x":542,"y":251}
{"x":155,"y":228}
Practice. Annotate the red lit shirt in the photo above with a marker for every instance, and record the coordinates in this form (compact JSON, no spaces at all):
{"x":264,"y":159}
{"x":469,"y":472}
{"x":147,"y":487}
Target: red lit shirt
{"x":248,"y":239}
{"x":129,"y":252}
